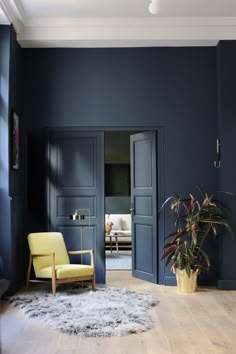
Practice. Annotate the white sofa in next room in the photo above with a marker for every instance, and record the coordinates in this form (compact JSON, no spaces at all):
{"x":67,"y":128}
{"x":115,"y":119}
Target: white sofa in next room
{"x":120,"y":236}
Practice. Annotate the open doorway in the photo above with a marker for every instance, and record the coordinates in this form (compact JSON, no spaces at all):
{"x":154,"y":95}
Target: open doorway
{"x":118,"y":235}
{"x":68,"y":189}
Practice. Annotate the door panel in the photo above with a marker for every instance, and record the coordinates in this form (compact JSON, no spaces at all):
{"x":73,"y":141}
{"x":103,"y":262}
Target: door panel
{"x":76,"y":152}
{"x":75,"y":181}
{"x":143,"y":206}
{"x":144,"y":203}
{"x":142,"y":176}
{"x":144,"y":244}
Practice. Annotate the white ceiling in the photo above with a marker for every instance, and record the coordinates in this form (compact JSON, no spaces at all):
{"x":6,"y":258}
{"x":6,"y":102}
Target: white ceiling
{"x":99,"y":23}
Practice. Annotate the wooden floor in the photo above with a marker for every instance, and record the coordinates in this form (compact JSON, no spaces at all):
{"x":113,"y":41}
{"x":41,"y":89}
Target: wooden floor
{"x":203,"y":322}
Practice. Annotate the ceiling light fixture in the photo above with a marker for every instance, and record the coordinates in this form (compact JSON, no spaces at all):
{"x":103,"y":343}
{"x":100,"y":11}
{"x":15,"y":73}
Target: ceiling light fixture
{"x":154,"y":7}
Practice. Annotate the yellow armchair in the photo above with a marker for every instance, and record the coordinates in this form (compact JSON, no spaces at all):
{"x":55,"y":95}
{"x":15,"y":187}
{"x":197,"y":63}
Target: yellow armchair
{"x":50,"y":260}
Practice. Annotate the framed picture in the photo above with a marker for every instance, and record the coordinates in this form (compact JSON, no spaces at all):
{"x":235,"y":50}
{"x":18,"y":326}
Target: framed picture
{"x":15,"y":141}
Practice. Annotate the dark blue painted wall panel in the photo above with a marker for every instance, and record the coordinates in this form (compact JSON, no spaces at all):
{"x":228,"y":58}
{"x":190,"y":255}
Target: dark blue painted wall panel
{"x":12,"y":183}
{"x":121,"y":86}
{"x":18,"y":179}
{"x":175,"y":88}
{"x":227,"y":132}
{"x":5,"y":224}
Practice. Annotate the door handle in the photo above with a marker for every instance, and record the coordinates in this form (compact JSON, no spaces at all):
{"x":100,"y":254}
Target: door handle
{"x":132,"y":209}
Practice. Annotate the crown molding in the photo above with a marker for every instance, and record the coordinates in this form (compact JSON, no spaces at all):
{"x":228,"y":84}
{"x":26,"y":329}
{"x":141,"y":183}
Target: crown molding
{"x":20,"y":10}
{"x":112,"y":43}
{"x":121,"y":32}
{"x":132,"y":21}
{"x":3,"y":19}
{"x":14,"y":12}
{"x":125,"y":31}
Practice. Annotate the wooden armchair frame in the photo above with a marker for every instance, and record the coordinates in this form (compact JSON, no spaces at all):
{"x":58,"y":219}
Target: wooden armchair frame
{"x":55,"y":281}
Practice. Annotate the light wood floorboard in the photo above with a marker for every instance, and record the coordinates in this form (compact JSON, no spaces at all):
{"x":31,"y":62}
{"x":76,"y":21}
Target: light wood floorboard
{"x":199,"y":323}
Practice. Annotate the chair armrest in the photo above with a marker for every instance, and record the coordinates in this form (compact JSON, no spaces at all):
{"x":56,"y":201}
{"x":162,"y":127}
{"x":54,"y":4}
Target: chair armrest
{"x":41,"y":254}
{"x":83,"y":252}
{"x":80,"y":252}
{"x":33,"y":255}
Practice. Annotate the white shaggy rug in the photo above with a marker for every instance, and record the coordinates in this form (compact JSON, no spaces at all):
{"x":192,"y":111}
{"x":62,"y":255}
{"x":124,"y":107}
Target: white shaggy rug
{"x":103,"y":313}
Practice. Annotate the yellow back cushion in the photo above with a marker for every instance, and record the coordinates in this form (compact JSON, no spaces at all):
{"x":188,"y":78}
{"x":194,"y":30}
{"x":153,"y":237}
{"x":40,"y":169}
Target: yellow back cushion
{"x":47,"y":242}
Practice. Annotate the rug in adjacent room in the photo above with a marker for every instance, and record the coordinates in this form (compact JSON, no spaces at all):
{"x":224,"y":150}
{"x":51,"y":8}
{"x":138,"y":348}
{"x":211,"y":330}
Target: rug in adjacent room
{"x":118,"y":262}
{"x":103,"y":313}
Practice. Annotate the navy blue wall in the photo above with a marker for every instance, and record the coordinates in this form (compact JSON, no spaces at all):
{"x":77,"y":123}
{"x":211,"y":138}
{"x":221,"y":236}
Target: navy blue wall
{"x":12,"y":183}
{"x":5,"y":224}
{"x":173,"y":88}
{"x":227,"y":133}
{"x":18,"y":179}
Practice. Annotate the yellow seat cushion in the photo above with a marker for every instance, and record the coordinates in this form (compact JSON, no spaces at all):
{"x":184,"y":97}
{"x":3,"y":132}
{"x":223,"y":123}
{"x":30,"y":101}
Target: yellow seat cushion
{"x":66,"y":271}
{"x":47,"y":242}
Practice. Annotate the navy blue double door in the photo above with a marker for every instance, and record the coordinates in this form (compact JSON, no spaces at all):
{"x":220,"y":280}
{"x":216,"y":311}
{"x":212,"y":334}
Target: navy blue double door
{"x":75,"y":181}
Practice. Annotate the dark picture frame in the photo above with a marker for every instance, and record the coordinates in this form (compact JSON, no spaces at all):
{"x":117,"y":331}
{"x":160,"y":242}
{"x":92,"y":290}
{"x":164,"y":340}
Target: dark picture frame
{"x":15,"y":141}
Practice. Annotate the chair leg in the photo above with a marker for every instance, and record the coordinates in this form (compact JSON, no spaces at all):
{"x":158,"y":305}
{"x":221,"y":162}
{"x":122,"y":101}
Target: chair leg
{"x":93,"y":283}
{"x":53,"y":275}
{"x":28,"y":272}
{"x":53,"y":286}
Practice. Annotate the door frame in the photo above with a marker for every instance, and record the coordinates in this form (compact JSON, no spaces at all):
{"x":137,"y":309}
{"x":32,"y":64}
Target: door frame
{"x":160,"y":177}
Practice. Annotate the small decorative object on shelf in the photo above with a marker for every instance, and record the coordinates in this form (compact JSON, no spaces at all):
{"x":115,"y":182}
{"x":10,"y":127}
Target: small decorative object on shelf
{"x":77,"y":216}
{"x":81,"y":216}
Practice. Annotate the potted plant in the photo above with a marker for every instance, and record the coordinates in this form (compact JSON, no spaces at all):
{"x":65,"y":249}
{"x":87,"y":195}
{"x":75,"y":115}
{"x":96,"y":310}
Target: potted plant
{"x":196,"y":219}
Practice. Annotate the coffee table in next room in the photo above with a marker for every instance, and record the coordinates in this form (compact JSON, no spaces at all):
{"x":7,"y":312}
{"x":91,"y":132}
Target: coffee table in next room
{"x":118,"y":240}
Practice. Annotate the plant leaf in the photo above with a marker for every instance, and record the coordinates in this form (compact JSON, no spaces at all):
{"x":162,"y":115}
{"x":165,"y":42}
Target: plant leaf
{"x":172,"y":234}
{"x":205,"y":256}
{"x":188,"y":269}
{"x":165,"y":202}
{"x":169,"y":250}
{"x":179,"y":257}
{"x":169,"y":259}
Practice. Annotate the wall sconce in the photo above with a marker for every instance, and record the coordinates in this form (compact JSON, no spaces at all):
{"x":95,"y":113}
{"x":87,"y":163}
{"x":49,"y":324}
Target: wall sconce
{"x":217,"y":162}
